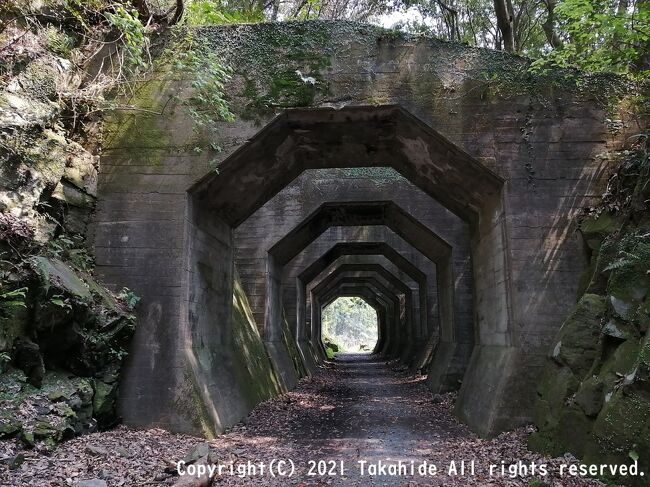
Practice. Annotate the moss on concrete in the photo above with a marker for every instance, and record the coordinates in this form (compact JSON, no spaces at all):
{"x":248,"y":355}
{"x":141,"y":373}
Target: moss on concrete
{"x":139,"y":126}
{"x":292,"y":347}
{"x":255,"y":373}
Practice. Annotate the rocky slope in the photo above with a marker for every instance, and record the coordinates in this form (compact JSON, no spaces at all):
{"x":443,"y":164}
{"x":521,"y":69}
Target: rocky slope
{"x":63,"y":336}
{"x":594,"y":396}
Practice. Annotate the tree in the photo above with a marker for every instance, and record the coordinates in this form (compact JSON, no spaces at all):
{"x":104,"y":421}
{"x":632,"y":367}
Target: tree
{"x":602,"y":35}
{"x":505,"y":19}
{"x":160,"y":12}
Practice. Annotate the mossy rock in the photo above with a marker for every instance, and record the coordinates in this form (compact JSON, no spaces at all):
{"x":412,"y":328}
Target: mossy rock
{"x":619,"y":330}
{"x":576,"y":345}
{"x":594,"y":229}
{"x":104,"y":403}
{"x":620,"y":362}
{"x":56,"y":273}
{"x":591,"y":396}
{"x":556,"y":385}
{"x":574,"y":430}
{"x":629,"y":284}
{"x":622,"y":427}
{"x":9,"y":426}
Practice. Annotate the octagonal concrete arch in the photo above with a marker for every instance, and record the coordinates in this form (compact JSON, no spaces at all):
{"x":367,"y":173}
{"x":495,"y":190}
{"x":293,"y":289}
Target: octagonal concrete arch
{"x":400,"y":339}
{"x":305,"y":328}
{"x":386,"y":297}
{"x":363,"y":248}
{"x":366,"y":137}
{"x":356,"y":213}
{"x":369,"y":293}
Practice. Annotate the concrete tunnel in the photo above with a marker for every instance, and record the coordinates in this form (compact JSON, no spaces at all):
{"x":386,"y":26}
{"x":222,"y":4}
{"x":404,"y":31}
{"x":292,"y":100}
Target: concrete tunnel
{"x":436,"y":232}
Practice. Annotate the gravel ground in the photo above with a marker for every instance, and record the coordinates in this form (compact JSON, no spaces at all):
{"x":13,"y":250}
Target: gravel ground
{"x":358,"y":409}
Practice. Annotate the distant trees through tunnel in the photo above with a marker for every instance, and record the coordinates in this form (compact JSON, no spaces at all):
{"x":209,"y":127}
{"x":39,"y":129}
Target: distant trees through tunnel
{"x":349,"y":325}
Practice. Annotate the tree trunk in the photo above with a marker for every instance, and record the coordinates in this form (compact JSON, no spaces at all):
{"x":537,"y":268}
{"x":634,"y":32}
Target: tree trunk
{"x":504,"y":22}
{"x":549,"y":25}
{"x":178,"y":14}
{"x":143,"y":9}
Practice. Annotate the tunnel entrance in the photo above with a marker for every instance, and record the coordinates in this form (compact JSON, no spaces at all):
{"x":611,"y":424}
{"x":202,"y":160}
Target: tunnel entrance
{"x":228,"y":320}
{"x":369,"y":139}
{"x":349,"y":325}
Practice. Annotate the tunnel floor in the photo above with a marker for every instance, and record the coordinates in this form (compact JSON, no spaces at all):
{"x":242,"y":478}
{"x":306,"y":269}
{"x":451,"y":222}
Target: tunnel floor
{"x":358,"y":408}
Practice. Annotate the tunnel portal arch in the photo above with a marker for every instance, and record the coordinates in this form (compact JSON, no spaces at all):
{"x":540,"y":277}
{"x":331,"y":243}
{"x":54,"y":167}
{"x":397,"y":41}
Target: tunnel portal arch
{"x":383,"y":136}
{"x":164,"y":221}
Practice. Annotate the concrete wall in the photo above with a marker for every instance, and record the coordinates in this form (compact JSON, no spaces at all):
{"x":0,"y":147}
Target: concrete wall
{"x":517,"y":160}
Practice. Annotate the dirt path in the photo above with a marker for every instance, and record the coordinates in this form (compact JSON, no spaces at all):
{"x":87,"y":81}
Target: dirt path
{"x":357,"y":409}
{"x":368,"y":412}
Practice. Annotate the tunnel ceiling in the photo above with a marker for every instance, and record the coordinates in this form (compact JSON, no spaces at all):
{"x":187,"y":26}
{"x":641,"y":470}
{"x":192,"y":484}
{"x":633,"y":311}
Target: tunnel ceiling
{"x":360,"y":248}
{"x":359,"y":214}
{"x":301,"y":139}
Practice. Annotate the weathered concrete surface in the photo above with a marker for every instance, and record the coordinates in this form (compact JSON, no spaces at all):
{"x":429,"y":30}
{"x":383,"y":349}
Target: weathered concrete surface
{"x":305,"y":194}
{"x":512,"y":154}
{"x":367,"y":288}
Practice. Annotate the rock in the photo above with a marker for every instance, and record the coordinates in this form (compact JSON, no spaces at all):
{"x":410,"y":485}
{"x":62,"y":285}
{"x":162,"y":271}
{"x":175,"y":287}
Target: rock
{"x":56,"y":396}
{"x":27,"y":357}
{"x":27,"y":438}
{"x":97,"y":451}
{"x":591,"y":396}
{"x":577,"y":344}
{"x":595,"y":229}
{"x":122,"y":452}
{"x":44,"y":429}
{"x":612,"y":330}
{"x":9,"y":427}
{"x":621,"y":308}
{"x":15,"y":461}
{"x":91,"y":483}
{"x":104,"y":401}
{"x":43,"y":410}
{"x":57,"y":273}
{"x":202,"y":481}
{"x":199,"y":451}
{"x":81,"y":171}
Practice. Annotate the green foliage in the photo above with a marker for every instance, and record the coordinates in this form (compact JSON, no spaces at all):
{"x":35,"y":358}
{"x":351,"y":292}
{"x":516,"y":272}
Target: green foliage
{"x":71,"y":248}
{"x":59,"y":42}
{"x":351,"y":324}
{"x":135,"y":43}
{"x":210,"y":12}
{"x":197,"y":61}
{"x":128,"y":297}
{"x":60,"y":301}
{"x":632,"y":249}
{"x":602,"y":35}
{"x":14,"y":298}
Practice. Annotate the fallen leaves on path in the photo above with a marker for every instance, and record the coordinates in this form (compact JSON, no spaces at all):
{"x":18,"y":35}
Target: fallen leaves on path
{"x":337,"y":415}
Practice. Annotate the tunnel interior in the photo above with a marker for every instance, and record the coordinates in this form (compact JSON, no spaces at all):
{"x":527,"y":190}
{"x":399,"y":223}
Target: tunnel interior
{"x":367,"y":202}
